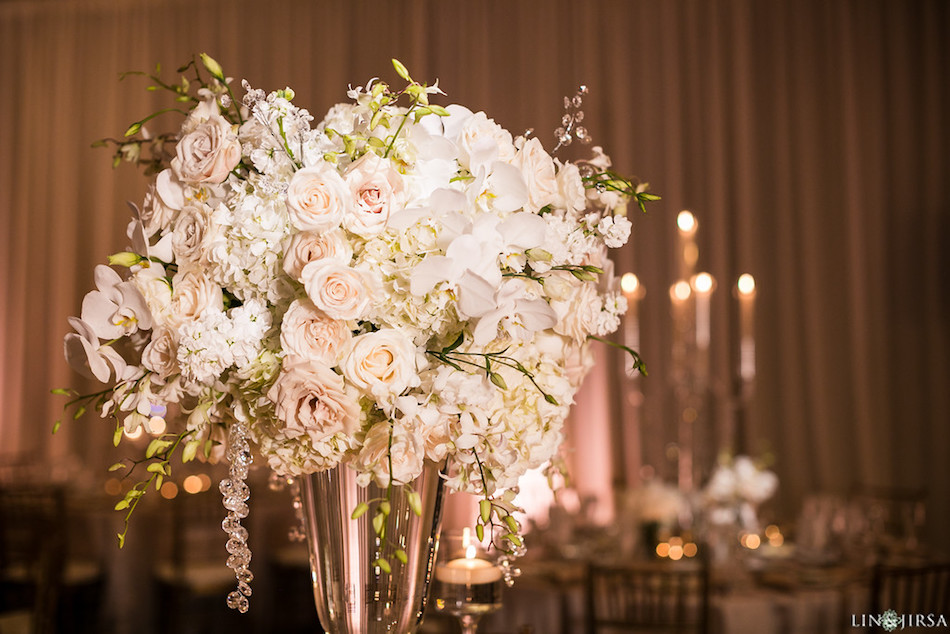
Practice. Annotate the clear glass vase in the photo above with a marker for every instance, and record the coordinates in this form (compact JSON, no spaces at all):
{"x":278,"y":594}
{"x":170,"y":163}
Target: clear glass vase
{"x":354,"y":596}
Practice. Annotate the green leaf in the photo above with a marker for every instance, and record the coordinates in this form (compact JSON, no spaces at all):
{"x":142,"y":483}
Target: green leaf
{"x":384,"y":565}
{"x":158,"y":482}
{"x":439,"y":110}
{"x":455,"y":344}
{"x":512,"y":524}
{"x":514,"y":539}
{"x":484,"y":508}
{"x":117,"y":466}
{"x":402,"y":556}
{"x":121,"y":537}
{"x":122,"y":504}
{"x":117,"y":436}
{"x":378,"y":520}
{"x":79,"y":412}
{"x":401,"y":70}
{"x":157,"y":467}
{"x":480,"y":532}
{"x":133,"y":129}
{"x":59,"y":391}
{"x":550,"y":399}
{"x":359,"y":511}
{"x":385,"y":508}
{"x":57,"y":425}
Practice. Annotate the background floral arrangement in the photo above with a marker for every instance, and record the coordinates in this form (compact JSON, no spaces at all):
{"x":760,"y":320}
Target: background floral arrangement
{"x":402,"y":282}
{"x":735,"y":489}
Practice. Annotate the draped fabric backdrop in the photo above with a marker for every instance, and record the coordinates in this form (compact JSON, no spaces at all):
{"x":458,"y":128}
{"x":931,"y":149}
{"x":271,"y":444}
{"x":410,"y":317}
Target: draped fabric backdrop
{"x":810,"y":138}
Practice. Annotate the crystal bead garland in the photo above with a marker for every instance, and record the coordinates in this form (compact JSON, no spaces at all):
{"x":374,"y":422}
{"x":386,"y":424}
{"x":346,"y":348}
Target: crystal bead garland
{"x":236,"y":492}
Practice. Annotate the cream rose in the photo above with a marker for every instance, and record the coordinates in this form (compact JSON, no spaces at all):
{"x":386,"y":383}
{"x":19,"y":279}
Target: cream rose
{"x":339,"y":291}
{"x":379,"y":193}
{"x":191,"y":236}
{"x":537,"y":168}
{"x":309,"y":246}
{"x":192,"y":294}
{"x":309,"y":334}
{"x":403,"y":451}
{"x":570,"y":187}
{"x":381,"y":362}
{"x":312,"y":400}
{"x":317,"y":198}
{"x":208,"y":153}
{"x":161,"y":354}
{"x":577,"y":315}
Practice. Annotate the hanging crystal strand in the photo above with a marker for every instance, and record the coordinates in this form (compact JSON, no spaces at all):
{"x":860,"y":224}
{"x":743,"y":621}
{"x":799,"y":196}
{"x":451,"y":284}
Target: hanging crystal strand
{"x":570,"y":128}
{"x":298,"y":532}
{"x":236,"y":492}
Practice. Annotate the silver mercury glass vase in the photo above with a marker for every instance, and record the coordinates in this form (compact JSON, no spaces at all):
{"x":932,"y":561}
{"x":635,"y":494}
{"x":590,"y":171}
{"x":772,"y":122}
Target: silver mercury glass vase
{"x":354,"y":596}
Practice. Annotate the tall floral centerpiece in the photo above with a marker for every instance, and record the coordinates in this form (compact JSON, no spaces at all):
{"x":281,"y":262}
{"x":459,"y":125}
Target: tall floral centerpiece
{"x":399,"y":285}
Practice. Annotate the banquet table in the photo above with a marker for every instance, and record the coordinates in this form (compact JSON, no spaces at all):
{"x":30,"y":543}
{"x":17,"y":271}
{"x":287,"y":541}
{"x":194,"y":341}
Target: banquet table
{"x":788,"y":598}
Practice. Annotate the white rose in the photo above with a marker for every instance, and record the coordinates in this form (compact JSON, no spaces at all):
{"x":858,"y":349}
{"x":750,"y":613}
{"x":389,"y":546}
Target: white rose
{"x":577,"y":316}
{"x":339,"y":291}
{"x":208,"y":153}
{"x":317,"y":198}
{"x":311,"y":399}
{"x":161,"y":354}
{"x":308,"y":246}
{"x":570,"y":187}
{"x":480,"y":140}
{"x":156,"y":290}
{"x":193,"y":293}
{"x":190,"y":238}
{"x":390,"y":443}
{"x":379,"y":193}
{"x":307,"y":333}
{"x":381,"y":362}
{"x":537,"y":168}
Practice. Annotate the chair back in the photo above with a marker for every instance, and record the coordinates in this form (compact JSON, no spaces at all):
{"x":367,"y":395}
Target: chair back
{"x":911,"y":589}
{"x":32,"y":551}
{"x":648,"y":596}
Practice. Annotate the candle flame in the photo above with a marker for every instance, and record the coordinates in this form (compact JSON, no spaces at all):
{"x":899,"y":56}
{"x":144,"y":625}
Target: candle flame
{"x":680,"y":291}
{"x":629,"y":283}
{"x":686,"y":222}
{"x":470,"y":551}
{"x":746,"y":284}
{"x":703,"y":283}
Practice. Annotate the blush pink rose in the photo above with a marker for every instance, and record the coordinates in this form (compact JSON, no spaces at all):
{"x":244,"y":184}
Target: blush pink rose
{"x":312,"y":400}
{"x":308,"y":333}
{"x":317,"y":198}
{"x":208,"y":153}
{"x":378,"y":191}
{"x":339,"y":291}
